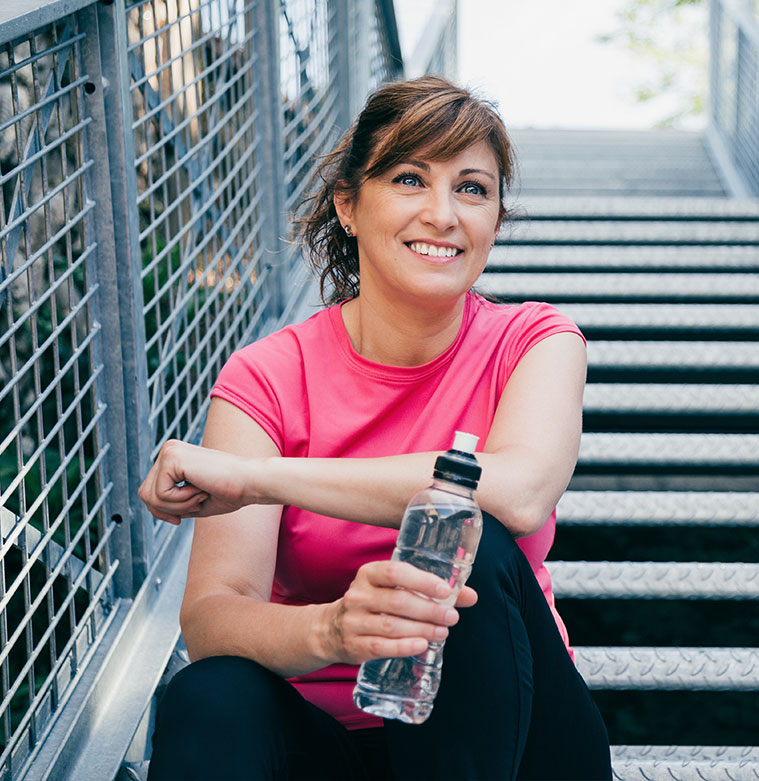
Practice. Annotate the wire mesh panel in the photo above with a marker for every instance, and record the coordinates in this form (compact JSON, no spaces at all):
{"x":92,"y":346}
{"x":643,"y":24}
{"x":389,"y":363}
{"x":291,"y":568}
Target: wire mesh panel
{"x":309,"y":93}
{"x":204,"y":277}
{"x":55,"y":571}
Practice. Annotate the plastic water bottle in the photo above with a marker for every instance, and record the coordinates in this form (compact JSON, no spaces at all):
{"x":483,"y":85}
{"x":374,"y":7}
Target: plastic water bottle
{"x":439,"y":533}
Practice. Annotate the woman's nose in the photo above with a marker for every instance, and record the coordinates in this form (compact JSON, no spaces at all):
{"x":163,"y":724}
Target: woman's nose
{"x":440,"y":210}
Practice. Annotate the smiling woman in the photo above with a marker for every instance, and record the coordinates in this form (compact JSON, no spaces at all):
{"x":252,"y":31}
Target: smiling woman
{"x":318,"y":435}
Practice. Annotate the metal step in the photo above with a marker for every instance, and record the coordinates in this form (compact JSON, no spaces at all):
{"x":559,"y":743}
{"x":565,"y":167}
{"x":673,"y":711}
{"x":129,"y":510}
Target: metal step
{"x":604,"y":187}
{"x":654,"y":580}
{"x":630,"y":232}
{"x":653,"y":257}
{"x":619,"y":143}
{"x":637,"y":208}
{"x":660,"y":178}
{"x":673,"y":355}
{"x":671,"y":398}
{"x":587,"y":286}
{"x":669,"y":450}
{"x":740,"y":318}
{"x":669,"y":669}
{"x":658,"y":508}
{"x":685,"y":763}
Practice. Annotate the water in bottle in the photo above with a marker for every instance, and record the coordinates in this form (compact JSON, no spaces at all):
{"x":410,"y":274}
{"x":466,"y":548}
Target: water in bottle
{"x":439,"y":533}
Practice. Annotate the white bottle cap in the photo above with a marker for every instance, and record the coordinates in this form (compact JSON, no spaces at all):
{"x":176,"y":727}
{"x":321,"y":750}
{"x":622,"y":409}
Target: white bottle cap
{"x":464,"y":443}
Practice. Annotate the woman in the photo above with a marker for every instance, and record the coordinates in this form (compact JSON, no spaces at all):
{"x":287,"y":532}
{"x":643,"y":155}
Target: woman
{"x":318,"y":435}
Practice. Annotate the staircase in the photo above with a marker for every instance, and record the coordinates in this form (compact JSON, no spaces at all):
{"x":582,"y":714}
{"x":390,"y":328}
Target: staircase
{"x":634,"y":237}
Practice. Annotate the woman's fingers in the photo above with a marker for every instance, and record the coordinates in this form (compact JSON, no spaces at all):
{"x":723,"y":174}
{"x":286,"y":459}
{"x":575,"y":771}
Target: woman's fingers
{"x":467,"y":597}
{"x":394,"y":609}
{"x":190,"y":481}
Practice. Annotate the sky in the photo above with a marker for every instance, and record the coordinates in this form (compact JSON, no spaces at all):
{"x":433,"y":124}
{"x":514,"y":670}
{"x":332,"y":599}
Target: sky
{"x":541,"y":62}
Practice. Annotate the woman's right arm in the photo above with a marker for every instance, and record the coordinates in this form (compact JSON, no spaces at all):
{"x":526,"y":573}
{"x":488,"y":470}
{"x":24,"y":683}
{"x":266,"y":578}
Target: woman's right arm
{"x":226,"y":608}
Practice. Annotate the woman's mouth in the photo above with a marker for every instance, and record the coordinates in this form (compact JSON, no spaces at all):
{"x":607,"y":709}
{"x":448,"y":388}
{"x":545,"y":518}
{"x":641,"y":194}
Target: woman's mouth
{"x":432,"y":250}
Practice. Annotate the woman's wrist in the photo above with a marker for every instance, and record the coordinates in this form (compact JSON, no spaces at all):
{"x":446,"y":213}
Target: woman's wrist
{"x":323,"y":632}
{"x":259,"y":479}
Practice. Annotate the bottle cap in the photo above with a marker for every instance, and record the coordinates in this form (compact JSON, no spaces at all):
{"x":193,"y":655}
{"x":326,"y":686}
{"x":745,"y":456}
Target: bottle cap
{"x":459,"y":465}
{"x":464,"y":443}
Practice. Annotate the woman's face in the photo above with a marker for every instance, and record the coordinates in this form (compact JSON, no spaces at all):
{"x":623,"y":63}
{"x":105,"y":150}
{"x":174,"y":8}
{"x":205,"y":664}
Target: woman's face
{"x":425,"y":228}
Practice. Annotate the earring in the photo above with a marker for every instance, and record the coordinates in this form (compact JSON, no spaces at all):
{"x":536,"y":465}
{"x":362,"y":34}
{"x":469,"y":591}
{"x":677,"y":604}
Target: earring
{"x":348,"y":231}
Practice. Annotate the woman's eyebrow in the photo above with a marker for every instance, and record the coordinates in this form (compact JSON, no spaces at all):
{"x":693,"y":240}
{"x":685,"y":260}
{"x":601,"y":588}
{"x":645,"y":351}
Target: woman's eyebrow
{"x":467,"y":171}
{"x":417,"y":164}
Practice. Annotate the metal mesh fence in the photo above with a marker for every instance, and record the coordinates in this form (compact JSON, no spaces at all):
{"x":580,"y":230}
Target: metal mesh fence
{"x":735,"y":85}
{"x":157,"y":181}
{"x":204,"y":277}
{"x":55,"y":567}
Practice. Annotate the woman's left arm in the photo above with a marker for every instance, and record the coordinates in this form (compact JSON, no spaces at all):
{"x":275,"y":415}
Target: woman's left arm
{"x":527,"y":461}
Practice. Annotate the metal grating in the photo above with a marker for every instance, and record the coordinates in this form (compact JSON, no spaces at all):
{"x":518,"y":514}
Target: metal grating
{"x":127,"y":277}
{"x":204,"y":273}
{"x":310,"y":105}
{"x":55,"y":568}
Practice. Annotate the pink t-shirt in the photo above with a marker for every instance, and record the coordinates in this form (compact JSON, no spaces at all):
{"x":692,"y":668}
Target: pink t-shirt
{"x":317,"y":397}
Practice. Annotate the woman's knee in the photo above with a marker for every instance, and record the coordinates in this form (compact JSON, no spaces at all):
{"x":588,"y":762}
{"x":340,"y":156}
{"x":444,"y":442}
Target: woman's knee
{"x":499,"y":562}
{"x":220,"y":689}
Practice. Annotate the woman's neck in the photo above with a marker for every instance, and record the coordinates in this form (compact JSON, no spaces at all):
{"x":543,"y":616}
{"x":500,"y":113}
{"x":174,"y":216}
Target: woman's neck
{"x":398,"y":334}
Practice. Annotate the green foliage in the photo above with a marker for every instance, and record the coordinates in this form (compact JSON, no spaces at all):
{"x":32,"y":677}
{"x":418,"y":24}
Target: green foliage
{"x":669,"y":40}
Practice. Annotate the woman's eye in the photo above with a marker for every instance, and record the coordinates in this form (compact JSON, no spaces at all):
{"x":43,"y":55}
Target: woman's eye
{"x":472,"y":188}
{"x":411,"y":180}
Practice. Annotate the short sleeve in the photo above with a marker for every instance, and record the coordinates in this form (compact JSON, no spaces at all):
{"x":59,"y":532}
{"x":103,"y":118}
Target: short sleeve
{"x":245,"y":382}
{"x":534,"y":322}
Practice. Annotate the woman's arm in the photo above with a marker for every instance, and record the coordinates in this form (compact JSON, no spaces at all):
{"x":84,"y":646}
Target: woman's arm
{"x":226,"y":608}
{"x":527,"y":461}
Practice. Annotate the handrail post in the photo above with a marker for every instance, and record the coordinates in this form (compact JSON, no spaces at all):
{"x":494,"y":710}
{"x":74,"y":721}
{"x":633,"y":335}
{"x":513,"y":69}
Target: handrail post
{"x":121,"y":156}
{"x":106,"y":309}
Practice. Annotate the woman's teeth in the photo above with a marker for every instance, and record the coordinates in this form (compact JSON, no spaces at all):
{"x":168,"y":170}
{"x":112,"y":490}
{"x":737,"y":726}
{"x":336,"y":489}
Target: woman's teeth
{"x":432,"y":250}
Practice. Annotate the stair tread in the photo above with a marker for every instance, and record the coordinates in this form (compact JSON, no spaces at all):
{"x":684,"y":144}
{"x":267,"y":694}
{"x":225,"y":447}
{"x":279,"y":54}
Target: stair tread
{"x":673,"y":354}
{"x":654,"y":579}
{"x":706,"y":508}
{"x":590,"y":285}
{"x":662,"y":316}
{"x":611,"y":256}
{"x":685,"y":763}
{"x":669,"y":668}
{"x":624,"y":449}
{"x":671,"y":397}
{"x":626,"y":231}
{"x":637,"y":208}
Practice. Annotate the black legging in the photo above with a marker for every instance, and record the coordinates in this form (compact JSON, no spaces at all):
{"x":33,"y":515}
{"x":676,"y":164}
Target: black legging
{"x":511,"y":705}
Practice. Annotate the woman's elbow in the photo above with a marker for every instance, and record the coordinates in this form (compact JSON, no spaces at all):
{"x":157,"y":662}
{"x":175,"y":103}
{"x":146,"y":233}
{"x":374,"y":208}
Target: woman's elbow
{"x":524,"y":519}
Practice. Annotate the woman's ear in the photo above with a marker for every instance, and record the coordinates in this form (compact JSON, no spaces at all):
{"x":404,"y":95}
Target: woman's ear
{"x":343,"y":206}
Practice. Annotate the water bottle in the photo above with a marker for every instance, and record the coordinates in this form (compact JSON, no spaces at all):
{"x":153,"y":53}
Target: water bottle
{"x":439,"y":533}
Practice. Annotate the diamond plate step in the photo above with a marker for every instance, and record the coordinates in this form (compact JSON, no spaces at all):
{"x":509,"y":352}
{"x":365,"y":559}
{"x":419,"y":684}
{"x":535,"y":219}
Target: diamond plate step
{"x":669,"y":669}
{"x":686,"y":317}
{"x":654,"y":580}
{"x":630,"y":232}
{"x":673,"y":355}
{"x":685,"y":763}
{"x":671,"y":398}
{"x":654,"y":508}
{"x":637,"y":208}
{"x":668,"y":450}
{"x":600,"y":286}
{"x":633,"y":257}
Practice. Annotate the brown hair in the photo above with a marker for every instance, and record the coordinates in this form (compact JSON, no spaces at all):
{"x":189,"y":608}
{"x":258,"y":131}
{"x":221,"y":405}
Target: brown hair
{"x":401,"y":119}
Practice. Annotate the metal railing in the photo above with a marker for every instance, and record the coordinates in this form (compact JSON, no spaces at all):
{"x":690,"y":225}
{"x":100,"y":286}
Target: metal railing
{"x":152,"y":153}
{"x":734,"y":89}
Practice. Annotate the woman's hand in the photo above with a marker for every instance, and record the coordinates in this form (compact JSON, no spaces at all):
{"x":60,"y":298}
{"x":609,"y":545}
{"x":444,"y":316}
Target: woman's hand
{"x":191,"y":481}
{"x":391,"y":609}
